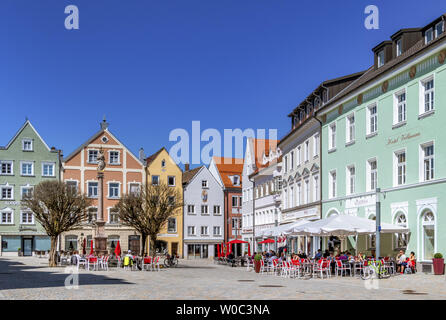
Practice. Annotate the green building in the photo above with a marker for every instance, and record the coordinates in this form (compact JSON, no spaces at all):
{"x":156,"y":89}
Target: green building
{"x":385,"y":131}
{"x":24,"y":162}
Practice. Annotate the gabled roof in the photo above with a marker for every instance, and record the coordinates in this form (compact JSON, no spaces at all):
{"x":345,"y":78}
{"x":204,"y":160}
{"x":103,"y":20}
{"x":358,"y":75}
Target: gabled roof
{"x":92,"y":138}
{"x":263,"y":147}
{"x":189,"y":175}
{"x":152,"y":158}
{"x":27,"y":123}
{"x":228,"y":167}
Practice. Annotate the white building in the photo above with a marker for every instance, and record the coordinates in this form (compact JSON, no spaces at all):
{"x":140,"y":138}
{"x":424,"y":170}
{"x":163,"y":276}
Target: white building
{"x":203,"y":213}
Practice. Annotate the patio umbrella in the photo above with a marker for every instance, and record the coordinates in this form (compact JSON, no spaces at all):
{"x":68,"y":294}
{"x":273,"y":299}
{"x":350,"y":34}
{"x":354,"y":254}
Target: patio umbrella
{"x":218,"y":250}
{"x":118,"y":249}
{"x":84,"y":246}
{"x":249,"y":250}
{"x":91,"y":247}
{"x":267,"y":241}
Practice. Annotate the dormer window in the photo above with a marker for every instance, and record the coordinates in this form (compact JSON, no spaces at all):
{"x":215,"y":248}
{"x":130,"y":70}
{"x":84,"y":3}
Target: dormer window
{"x":380,"y":58}
{"x":399,"y":48}
{"x":428,"y":35}
{"x":439,"y":28}
{"x":27,"y":145}
{"x":236,"y":180}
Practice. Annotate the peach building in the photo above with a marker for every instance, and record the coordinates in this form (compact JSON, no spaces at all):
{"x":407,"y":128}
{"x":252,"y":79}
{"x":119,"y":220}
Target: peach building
{"x":124,"y":173}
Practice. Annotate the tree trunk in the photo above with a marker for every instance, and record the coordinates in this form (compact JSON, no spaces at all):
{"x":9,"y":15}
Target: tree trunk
{"x":53,"y":252}
{"x":143,"y":247}
{"x":152,"y":245}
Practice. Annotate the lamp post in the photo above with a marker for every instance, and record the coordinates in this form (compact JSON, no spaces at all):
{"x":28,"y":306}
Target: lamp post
{"x":378,"y":223}
{"x":100,"y":238}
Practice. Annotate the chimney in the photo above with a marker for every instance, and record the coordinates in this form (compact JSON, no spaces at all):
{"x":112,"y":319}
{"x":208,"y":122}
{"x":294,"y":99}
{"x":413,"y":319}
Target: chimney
{"x":141,"y":154}
{"x":104,"y":124}
{"x":186,"y":167}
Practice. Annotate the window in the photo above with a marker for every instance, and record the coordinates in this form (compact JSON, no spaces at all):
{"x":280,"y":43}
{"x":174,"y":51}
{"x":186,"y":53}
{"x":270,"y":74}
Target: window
{"x":400,"y":238}
{"x":70,"y":243}
{"x":7,"y":217}
{"x":380,"y":56}
{"x":429,"y":35}
{"x":316,"y":188}
{"x":7,"y":193}
{"x":92,"y":215}
{"x":112,"y":242}
{"x":291,"y":199}
{"x":92,"y":156}
{"x":171,"y":201}
{"x":48,"y":169}
{"x":204,"y":231}
{"x":316,"y":145}
{"x":351,"y":128}
{"x":171,"y":181}
{"x":400,"y":168}
{"x":113,"y":216}
{"x":372,"y":175}
{"x":191,"y":230}
{"x":27,"y":218}
{"x":234,"y":201}
{"x":27,"y":192}
{"x":427,"y":95}
{"x":400,"y":100}
{"x":236,"y":180}
{"x":292,"y":160}
{"x":217,"y":210}
{"x":428,"y":162}
{"x":286,"y":164}
{"x":27,"y":168}
{"x":372,"y":117}
{"x":114,"y":157}
{"x":307,"y":150}
{"x":155,"y":180}
{"x":399,"y":48}
{"x":172,"y":225}
{"x":113,"y":190}
{"x":332,"y":136}
{"x":204,"y":183}
{"x":428,"y":235}
{"x":299,"y":157}
{"x":351,"y":179}
{"x":306,"y":191}
{"x":217,"y":231}
{"x":439,"y":29}
{"x":190,"y":209}
{"x":72,"y":185}
{"x":332,"y":184}
{"x":92,"y":189}
{"x":27,"y":145}
{"x":204,"y":210}
{"x":134,"y":188}
{"x":163,"y":163}
{"x":299,"y":194}
{"x":6,"y":167}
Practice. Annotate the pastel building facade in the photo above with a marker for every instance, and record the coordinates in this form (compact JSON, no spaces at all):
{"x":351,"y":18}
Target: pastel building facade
{"x":124,"y":173}
{"x":24,"y":162}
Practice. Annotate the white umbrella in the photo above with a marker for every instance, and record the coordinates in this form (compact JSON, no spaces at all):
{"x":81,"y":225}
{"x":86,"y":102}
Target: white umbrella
{"x":344,"y":225}
{"x":280,"y":230}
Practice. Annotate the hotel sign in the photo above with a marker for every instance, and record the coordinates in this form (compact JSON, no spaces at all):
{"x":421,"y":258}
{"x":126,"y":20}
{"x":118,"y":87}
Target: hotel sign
{"x":403,"y":137}
{"x":364,"y":201}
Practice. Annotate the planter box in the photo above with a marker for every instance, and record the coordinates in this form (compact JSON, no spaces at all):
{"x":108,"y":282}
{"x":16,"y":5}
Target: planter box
{"x":257,"y":265}
{"x":438,"y":266}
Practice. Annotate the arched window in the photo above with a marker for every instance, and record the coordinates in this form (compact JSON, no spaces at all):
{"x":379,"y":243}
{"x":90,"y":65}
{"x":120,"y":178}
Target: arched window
{"x":427,"y":235}
{"x":400,"y":238}
{"x":332,"y":213}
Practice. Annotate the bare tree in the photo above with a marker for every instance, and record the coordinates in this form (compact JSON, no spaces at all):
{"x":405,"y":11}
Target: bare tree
{"x":59,"y":208}
{"x":149,"y":210}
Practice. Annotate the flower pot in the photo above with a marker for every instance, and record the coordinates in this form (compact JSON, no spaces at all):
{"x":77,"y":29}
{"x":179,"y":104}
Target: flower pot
{"x":257,"y":266}
{"x":438,"y":266}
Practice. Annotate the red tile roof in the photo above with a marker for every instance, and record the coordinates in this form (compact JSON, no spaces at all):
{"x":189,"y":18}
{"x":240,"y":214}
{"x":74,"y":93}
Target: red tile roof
{"x":229,"y":167}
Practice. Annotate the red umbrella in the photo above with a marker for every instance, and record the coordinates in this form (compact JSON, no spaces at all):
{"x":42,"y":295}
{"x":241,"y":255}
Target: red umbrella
{"x":218,"y":250}
{"x":91,"y":247}
{"x":249,"y":249}
{"x":84,"y":246}
{"x":222,"y":248}
{"x":118,"y":249}
{"x":267,"y":241}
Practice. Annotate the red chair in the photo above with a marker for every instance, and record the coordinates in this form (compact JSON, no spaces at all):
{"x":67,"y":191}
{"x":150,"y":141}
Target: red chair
{"x":146,"y":263}
{"x":322,"y":267}
{"x":343,"y":267}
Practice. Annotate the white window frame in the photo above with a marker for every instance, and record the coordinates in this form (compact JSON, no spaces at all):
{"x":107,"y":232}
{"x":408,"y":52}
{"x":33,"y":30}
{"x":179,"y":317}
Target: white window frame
{"x":306,"y":191}
{"x":110,"y":157}
{"x":431,"y":31}
{"x":369,"y":119}
{"x":396,"y":107}
{"x":316,"y":188}
{"x":110,"y":214}
{"x":380,"y":57}
{"x":190,"y":209}
{"x":11,"y":212}
{"x":291,"y":160}
{"x":206,"y":229}
{"x":88,"y":189}
{"x":350,"y":128}
{"x":189,"y":229}
{"x":204,"y":212}
{"x":134,"y":183}
{"x":436,"y":29}
{"x":158,"y":179}
{"x":204,"y":184}
{"x":88,"y":156}
{"x":30,"y":141}
{"x":369,"y":174}
{"x":109,"y":183}
{"x":316,"y":141}
{"x":350,"y":180}
{"x":176,"y":225}
{"x":23,"y":188}
{"x":75,"y":181}
{"x":299,"y":156}
{"x":332,"y":136}
{"x":396,"y":167}
{"x":219,"y":210}
{"x":299,"y":194}
{"x":174,"y":181}
{"x":11,"y":163}
{"x":333,"y":184}
{"x":22,"y":213}
{"x":4,"y":187}
{"x":27,"y":163}
{"x":422,"y":93}
{"x":53,"y":164}
{"x":422,"y":158}
{"x":399,"y":48}
{"x":219,"y":231}
{"x":307,"y":151}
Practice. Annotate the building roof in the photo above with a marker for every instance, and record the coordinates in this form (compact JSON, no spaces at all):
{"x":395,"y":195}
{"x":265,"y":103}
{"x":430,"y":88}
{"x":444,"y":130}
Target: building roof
{"x":152,"y":158}
{"x":190,"y":174}
{"x":228,"y":167}
{"x":264,"y":147}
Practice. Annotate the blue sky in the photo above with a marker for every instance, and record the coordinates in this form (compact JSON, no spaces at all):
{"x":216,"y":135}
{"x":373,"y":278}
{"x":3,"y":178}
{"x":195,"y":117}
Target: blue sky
{"x":153,"y":66}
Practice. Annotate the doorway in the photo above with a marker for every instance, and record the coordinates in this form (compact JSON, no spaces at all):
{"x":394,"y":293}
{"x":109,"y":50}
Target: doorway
{"x":27,"y":246}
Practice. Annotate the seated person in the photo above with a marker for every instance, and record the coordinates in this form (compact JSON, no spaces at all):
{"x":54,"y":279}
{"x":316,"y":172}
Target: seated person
{"x":401,"y":261}
{"x":318,"y":254}
{"x":411,"y":262}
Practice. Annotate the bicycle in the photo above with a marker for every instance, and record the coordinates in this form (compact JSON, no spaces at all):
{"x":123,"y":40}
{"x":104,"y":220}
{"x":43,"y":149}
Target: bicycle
{"x":375,"y":270}
{"x":171,"y":261}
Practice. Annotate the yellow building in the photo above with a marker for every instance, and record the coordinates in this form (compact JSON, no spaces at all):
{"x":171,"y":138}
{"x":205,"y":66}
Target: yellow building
{"x":160,"y":168}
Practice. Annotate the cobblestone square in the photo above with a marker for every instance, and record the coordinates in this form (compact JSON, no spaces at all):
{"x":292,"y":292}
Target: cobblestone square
{"x":30,"y":279}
